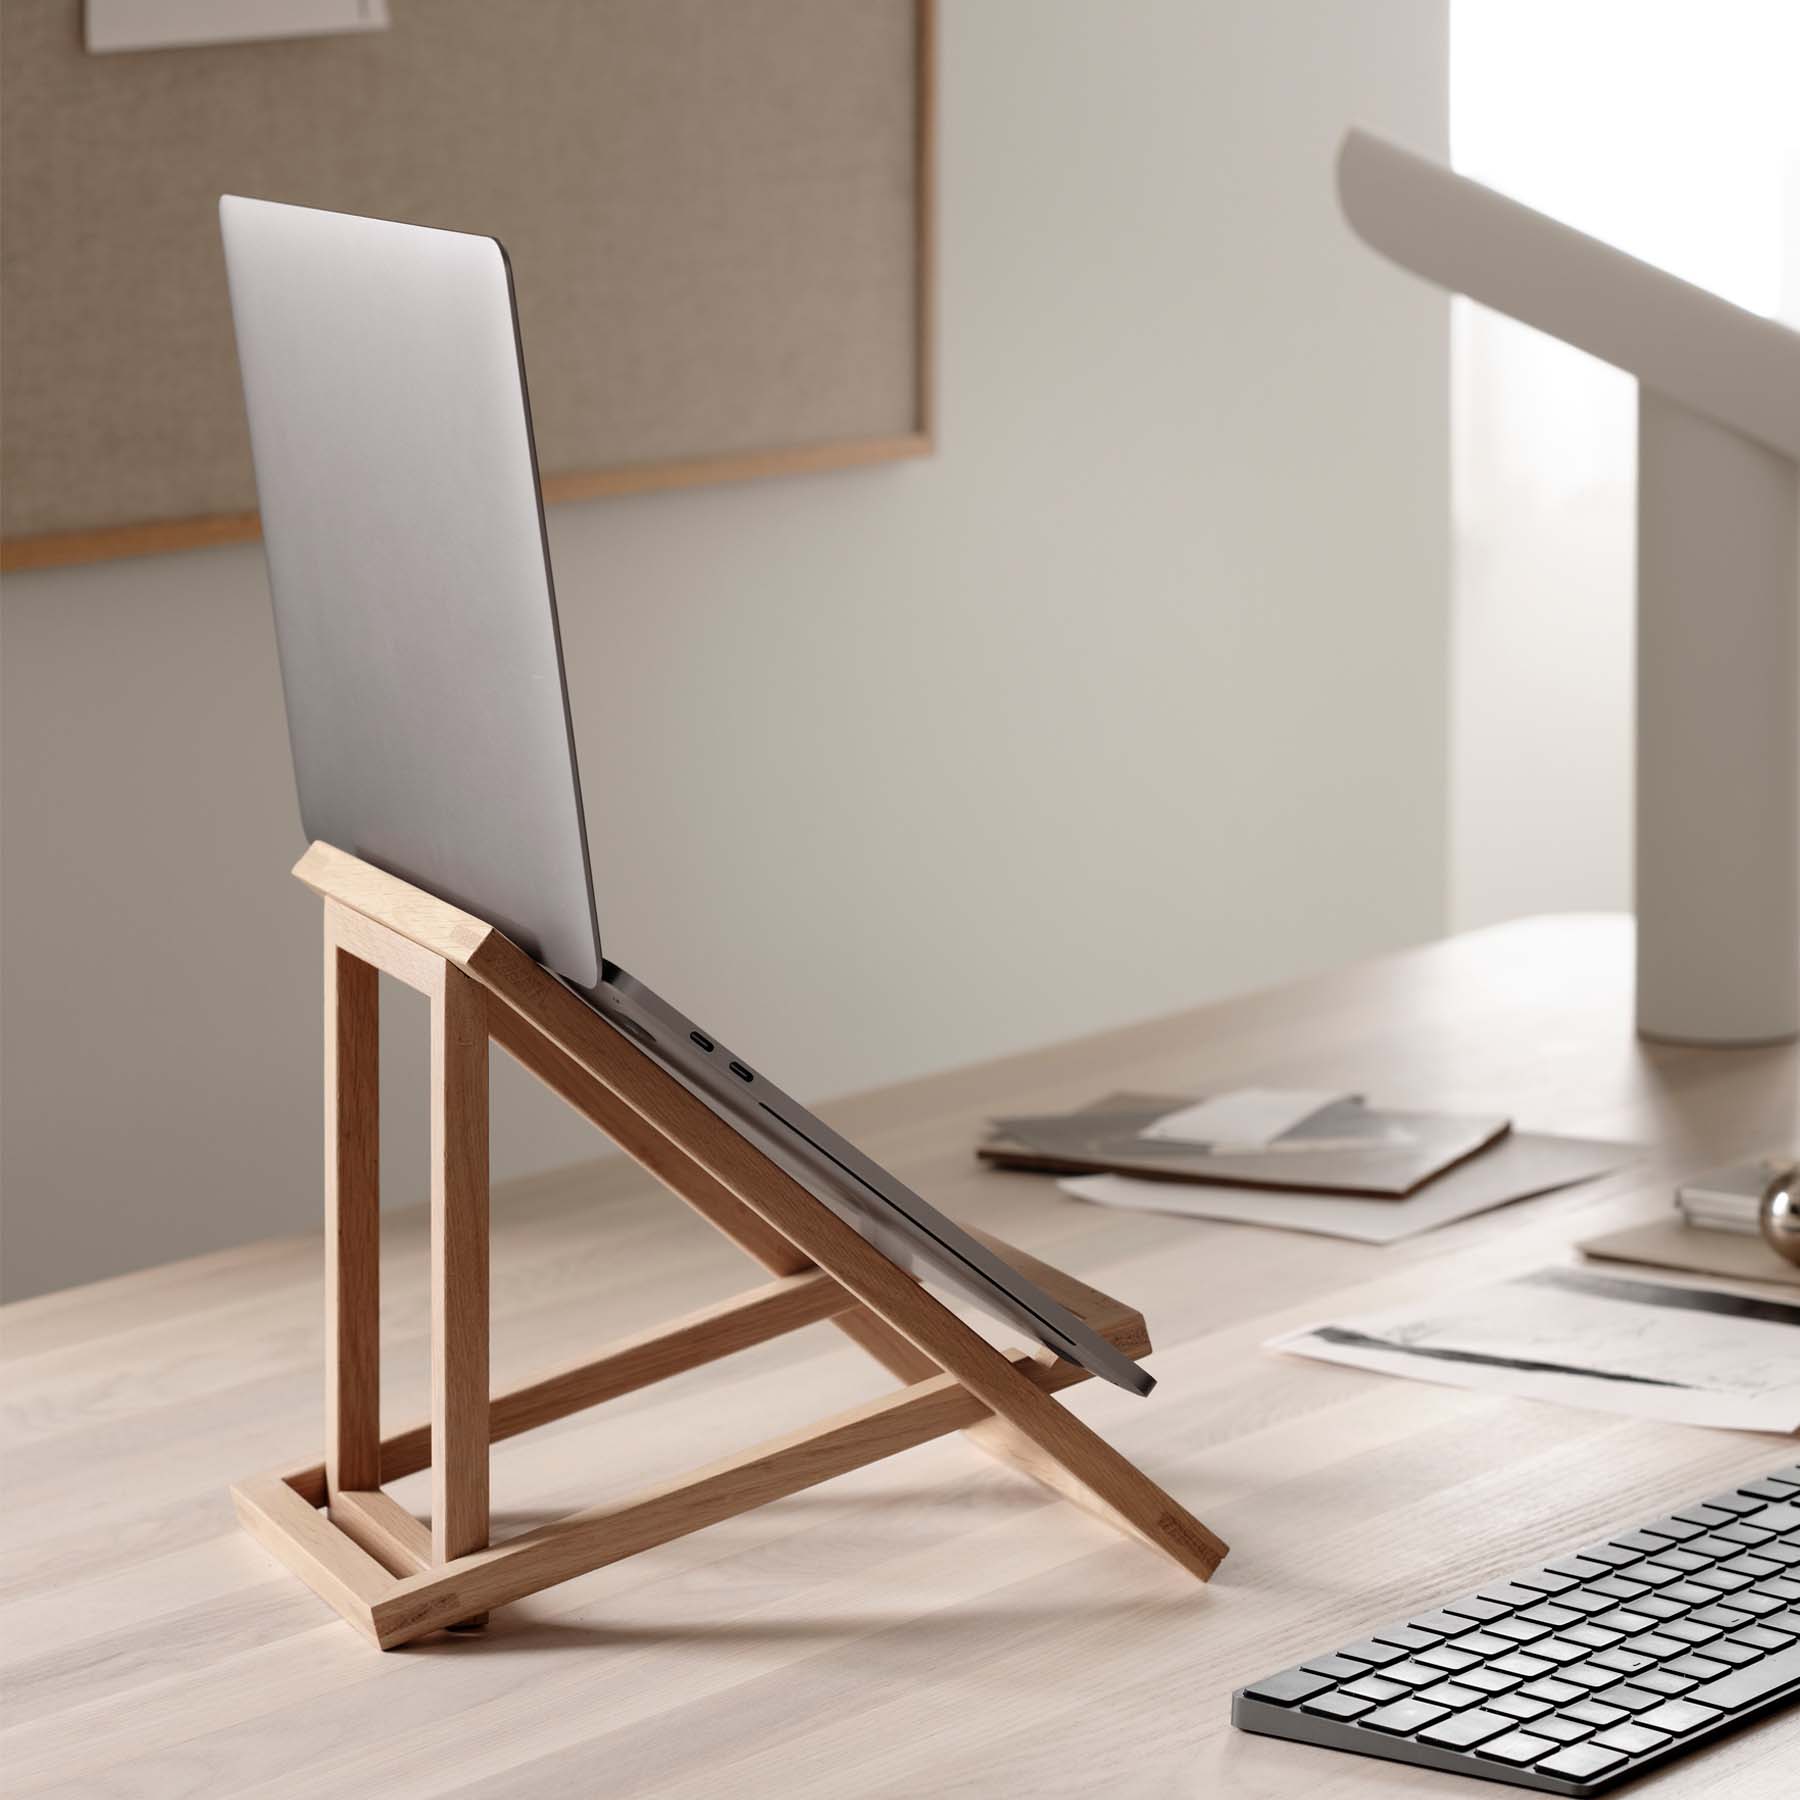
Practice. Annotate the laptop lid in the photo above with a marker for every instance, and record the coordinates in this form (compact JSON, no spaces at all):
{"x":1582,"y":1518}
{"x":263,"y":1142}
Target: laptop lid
{"x":414,"y":609}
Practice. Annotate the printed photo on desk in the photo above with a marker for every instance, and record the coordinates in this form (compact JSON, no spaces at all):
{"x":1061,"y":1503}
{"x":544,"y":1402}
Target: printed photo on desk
{"x":1650,"y":1349}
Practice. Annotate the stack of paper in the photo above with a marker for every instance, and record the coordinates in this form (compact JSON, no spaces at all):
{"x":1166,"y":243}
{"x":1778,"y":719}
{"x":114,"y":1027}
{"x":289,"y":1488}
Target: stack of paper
{"x":1654,"y":1350}
{"x":1302,"y":1161}
{"x":1254,"y":1137}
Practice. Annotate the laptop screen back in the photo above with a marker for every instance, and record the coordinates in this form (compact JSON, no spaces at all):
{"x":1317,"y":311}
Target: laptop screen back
{"x":414,"y":610}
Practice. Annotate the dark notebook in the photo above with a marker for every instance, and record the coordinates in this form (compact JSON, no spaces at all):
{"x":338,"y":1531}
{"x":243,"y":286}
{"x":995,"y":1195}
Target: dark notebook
{"x":1360,"y":1149}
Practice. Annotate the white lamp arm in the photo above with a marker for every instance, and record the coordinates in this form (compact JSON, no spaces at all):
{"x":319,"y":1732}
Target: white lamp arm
{"x":1718,"y":576}
{"x":1711,"y":356}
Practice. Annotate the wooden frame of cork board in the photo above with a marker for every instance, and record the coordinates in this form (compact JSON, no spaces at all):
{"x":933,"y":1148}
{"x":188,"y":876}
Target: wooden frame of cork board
{"x":720,"y":220}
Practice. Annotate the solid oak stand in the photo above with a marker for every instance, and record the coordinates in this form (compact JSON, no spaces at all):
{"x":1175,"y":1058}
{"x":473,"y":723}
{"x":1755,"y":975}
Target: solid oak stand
{"x":394,"y":1578}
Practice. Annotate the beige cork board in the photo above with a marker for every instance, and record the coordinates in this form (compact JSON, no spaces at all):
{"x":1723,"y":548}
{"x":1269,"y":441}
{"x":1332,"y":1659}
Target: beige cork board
{"x":719,"y":215}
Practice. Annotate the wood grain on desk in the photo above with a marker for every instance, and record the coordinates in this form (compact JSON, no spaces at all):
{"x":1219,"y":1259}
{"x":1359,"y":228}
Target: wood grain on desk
{"x":933,"y":1625}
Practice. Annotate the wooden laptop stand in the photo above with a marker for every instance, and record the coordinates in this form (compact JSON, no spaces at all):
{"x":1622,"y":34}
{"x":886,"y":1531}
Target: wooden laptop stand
{"x":396,"y":1580}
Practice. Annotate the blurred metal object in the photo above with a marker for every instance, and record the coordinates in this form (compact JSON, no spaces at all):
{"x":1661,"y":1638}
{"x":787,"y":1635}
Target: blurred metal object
{"x":1779,"y":1215}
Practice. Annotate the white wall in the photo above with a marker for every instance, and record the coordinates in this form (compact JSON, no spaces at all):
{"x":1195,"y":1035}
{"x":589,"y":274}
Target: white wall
{"x":1565,"y":104}
{"x":1133,"y":695}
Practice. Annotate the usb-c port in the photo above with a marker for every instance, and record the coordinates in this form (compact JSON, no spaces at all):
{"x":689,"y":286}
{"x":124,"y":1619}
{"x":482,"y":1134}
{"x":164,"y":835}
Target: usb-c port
{"x":743,"y":1074}
{"x":702,"y":1040}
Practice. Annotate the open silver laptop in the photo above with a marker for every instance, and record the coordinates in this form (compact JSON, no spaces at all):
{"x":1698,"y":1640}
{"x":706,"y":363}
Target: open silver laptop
{"x":426,"y":699}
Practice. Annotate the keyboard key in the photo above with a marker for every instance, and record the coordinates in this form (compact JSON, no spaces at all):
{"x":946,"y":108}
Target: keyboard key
{"x":1511,"y":1594}
{"x":1766,"y":1490}
{"x":1595,"y":1712}
{"x":1631,"y":1698}
{"x":1726,"y":1618}
{"x":1366,"y":1650}
{"x":1654,"y":1575}
{"x":1489,"y":1680}
{"x":1787,"y":1551}
{"x":1590,"y":1676}
{"x":1762,"y":1637}
{"x":1620,"y":1587}
{"x":1759,"y":1601}
{"x":1627,"y":1662}
{"x":1707,"y":1515}
{"x":1745,"y":1685}
{"x":1580,"y":1762}
{"x":1519,"y":1748}
{"x":1660,"y":1681}
{"x":1780,"y":1587}
{"x":1439,"y":1624}
{"x":1288,"y":1688}
{"x":1447,"y":1656}
{"x":1412,"y":1674}
{"x":1476,"y":1608}
{"x":1462,"y":1730}
{"x":1713,"y":1547}
{"x":1777,"y":1518}
{"x":1586,"y":1603}
{"x":1743,"y":1532}
{"x":1564,"y":1730}
{"x":1688,"y":1594}
{"x":1560,"y":1650}
{"x":1638,"y":1543}
{"x":1337,"y":1706}
{"x":1451,"y":1694}
{"x":1754,"y":1605}
{"x":1788,"y":1477}
{"x":1656,"y":1607}
{"x":1521,"y":1664}
{"x":1480,"y":1643}
{"x":1634,"y":1740}
{"x":1618,"y":1552}
{"x":1556,"y":1616}
{"x":1407,"y":1637}
{"x":1378,"y":1688}
{"x":1734,"y":1502}
{"x":1556,"y":1692}
{"x":1624,"y":1621}
{"x":1596,"y":1637}
{"x":1403,"y":1718}
{"x":1519,"y":1706}
{"x":1681,"y":1560}
{"x":1756,"y":1567}
{"x":1720,"y":1579}
{"x":1521,"y":1630}
{"x":1655,"y":1646}
{"x":1339,"y":1668}
{"x":1702,"y":1668}
{"x":1677,"y":1531}
{"x":1729,"y":1650}
{"x":1546,"y":1581}
{"x":1678,"y":1716}
{"x":1578,"y":1568}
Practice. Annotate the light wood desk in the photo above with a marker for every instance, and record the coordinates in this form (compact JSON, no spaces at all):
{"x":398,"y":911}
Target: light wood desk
{"x":933,"y":1625}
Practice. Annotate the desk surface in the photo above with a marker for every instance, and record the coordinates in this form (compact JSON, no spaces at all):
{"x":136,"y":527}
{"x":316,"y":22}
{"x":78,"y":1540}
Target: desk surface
{"x":934,"y":1624}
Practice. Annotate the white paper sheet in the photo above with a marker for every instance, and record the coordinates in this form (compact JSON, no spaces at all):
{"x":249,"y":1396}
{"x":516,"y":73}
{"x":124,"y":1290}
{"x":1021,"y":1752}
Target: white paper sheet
{"x":1519,"y":1165}
{"x":1653,"y":1350}
{"x":1245,"y":1119}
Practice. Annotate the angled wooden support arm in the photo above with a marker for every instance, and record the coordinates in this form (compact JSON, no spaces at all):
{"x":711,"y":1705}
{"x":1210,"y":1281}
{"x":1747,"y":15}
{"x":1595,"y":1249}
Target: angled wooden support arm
{"x":397,"y":1578}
